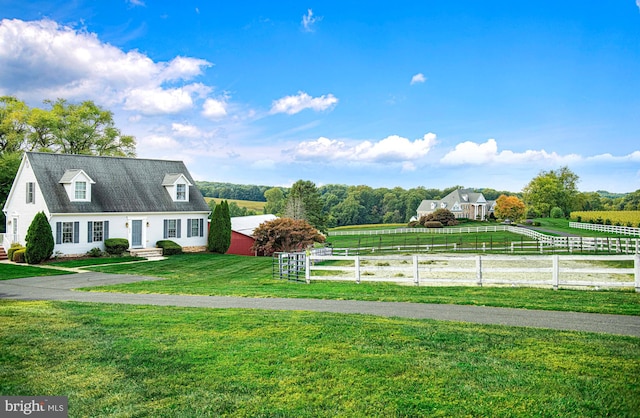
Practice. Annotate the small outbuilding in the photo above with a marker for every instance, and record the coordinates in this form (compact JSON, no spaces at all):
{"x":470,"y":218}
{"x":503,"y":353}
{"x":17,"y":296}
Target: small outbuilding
{"x":242,"y":228}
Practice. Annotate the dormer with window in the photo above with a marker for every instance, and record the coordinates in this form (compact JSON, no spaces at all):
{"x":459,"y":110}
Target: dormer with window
{"x":77,"y":184}
{"x":177,"y":185}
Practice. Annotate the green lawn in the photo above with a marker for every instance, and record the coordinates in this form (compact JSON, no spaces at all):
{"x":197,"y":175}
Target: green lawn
{"x":209,"y":274}
{"x":120,"y":360}
{"x":13,"y":271}
{"x":84,"y":262}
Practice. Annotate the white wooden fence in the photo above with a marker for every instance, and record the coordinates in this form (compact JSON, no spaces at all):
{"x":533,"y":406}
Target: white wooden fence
{"x":540,"y":271}
{"x":623,"y":230}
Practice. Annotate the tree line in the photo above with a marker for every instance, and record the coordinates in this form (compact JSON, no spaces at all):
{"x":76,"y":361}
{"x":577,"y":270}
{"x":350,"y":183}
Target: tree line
{"x":334,"y":205}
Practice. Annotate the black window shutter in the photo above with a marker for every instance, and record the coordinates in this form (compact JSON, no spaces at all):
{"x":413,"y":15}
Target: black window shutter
{"x":76,"y":232}
{"x":202,"y":227}
{"x":58,"y":232}
{"x":166,"y":228}
{"x":178,"y":228}
{"x":189,"y":227}
{"x":106,"y":230}
{"x":89,"y":231}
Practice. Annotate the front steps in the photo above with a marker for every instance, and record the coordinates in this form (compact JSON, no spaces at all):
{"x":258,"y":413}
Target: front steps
{"x":3,"y":254}
{"x":148,"y":253}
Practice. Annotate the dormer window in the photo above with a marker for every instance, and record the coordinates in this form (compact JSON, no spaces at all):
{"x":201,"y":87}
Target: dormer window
{"x":81,"y":190}
{"x":77,"y":184}
{"x":177,"y":185}
{"x":181,"y":192}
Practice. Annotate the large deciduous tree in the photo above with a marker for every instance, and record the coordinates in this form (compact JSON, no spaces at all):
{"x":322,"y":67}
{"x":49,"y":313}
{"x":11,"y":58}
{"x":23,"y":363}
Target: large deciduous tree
{"x":284,"y":234}
{"x":305,"y":203}
{"x":510,"y":207}
{"x":554,"y":188}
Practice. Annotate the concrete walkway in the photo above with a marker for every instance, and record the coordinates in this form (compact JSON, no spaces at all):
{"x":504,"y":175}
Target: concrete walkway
{"x":60,"y":288}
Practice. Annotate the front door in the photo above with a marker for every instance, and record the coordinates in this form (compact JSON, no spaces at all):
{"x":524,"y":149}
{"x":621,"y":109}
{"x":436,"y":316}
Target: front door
{"x":136,"y":233}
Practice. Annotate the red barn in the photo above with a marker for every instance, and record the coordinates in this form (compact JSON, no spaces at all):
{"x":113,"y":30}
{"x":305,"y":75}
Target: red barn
{"x":242,"y":228}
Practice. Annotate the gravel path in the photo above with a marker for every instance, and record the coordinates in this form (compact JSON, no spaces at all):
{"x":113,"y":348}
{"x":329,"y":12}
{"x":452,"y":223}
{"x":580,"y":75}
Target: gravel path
{"x":60,"y":288}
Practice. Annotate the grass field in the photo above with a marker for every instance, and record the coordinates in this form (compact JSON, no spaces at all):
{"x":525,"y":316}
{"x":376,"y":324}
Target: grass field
{"x":13,"y":271}
{"x":225,"y":275}
{"x":120,"y":360}
{"x":258,"y":207}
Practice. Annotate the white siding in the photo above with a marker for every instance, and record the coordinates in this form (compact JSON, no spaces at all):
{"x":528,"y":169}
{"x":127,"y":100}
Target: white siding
{"x":120,"y":226}
{"x":17,"y":208}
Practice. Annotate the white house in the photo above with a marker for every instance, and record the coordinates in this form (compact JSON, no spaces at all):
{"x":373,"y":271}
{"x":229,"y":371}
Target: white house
{"x":463,"y":203}
{"x":88,"y":199}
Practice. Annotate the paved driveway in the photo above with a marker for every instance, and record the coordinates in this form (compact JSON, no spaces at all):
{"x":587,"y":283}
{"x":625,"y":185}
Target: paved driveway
{"x":60,"y":288}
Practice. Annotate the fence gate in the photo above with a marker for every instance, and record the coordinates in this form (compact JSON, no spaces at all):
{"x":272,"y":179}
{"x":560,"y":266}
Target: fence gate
{"x":289,"y":266}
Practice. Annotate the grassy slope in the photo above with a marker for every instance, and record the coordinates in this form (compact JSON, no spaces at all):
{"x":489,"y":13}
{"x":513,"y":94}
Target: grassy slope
{"x":119,"y":360}
{"x":209,"y":274}
{"x":249,"y":204}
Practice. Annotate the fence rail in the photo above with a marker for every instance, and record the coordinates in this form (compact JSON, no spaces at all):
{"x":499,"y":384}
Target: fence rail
{"x":547,"y":271}
{"x":623,"y":230}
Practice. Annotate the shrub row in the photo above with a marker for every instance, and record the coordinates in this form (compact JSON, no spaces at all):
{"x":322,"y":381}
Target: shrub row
{"x":618,"y":218}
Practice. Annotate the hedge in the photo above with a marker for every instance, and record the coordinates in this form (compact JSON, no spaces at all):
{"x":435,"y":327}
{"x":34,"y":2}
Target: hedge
{"x":169,"y":247}
{"x":116,"y":246}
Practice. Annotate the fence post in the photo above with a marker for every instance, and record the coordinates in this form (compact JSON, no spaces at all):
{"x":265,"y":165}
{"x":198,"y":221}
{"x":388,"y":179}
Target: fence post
{"x":416,"y":276}
{"x":636,"y":274}
{"x":357,"y":267}
{"x":556,"y":271}
{"x":307,"y":269}
{"x":479,"y":270}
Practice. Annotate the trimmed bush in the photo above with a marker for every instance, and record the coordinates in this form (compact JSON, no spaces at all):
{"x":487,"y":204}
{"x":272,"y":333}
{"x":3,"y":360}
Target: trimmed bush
{"x":116,"y":246}
{"x":433,"y":224}
{"x":14,"y":247}
{"x":557,"y":213}
{"x":19,"y":255}
{"x":39,"y":240}
{"x":169,"y":247}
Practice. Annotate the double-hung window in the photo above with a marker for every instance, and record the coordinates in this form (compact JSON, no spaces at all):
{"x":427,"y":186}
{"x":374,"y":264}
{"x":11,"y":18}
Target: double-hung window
{"x":81,"y":190}
{"x":97,"y":231}
{"x":181,"y":191}
{"x":31,"y":192}
{"x":195,"y":227}
{"x":171,"y":228}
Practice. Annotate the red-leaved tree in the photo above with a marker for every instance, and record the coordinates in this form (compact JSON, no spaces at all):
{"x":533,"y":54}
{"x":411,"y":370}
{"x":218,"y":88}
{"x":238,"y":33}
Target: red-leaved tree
{"x":284,"y":234}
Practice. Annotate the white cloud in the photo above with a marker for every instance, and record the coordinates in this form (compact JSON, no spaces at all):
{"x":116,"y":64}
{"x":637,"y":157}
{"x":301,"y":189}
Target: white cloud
{"x":157,"y":101}
{"x":154,"y":142}
{"x":309,"y":20}
{"x":43,"y":60}
{"x":214,"y":109}
{"x":487,"y":153}
{"x":294,"y":104}
{"x":638,"y":3}
{"x":420,"y":78}
{"x":393,"y":148}
{"x":187,"y":131}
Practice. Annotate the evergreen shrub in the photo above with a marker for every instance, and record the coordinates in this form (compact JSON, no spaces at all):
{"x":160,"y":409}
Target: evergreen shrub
{"x":169,"y":247}
{"x":19,"y":255}
{"x":39,"y":240}
{"x":116,"y":246}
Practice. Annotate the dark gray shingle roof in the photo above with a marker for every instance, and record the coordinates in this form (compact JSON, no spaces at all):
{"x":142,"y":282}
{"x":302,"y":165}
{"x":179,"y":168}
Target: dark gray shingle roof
{"x":121,"y":184}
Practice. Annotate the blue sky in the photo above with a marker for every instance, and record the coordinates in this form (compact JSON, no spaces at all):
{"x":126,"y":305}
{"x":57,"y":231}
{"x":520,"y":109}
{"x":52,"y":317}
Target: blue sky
{"x":403,"y":93}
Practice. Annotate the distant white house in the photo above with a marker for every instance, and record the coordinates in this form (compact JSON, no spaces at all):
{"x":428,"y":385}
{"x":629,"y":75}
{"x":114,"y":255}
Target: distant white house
{"x":89,"y":199}
{"x":463,"y":203}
